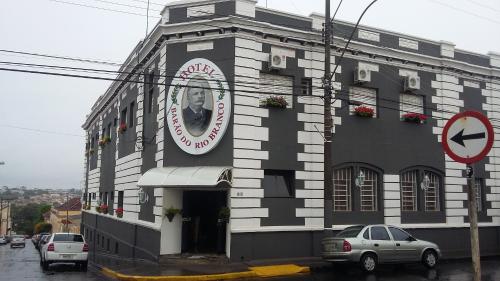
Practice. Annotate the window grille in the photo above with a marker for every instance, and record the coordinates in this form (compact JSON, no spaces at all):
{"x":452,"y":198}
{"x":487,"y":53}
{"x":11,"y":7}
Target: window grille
{"x":368,"y":191}
{"x":276,"y":85}
{"x":342,"y":179}
{"x":363,"y":96}
{"x":409,"y":191}
{"x":432,"y":193}
{"x":306,"y":86}
{"x":409,"y":103}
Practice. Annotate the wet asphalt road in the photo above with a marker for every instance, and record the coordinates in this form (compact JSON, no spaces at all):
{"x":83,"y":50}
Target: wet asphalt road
{"x":24,"y":264}
{"x":456,"y":270}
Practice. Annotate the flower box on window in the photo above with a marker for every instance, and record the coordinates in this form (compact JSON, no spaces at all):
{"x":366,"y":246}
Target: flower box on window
{"x":104,"y":208}
{"x":90,"y":151}
{"x":119,"y":212}
{"x":364,"y":111}
{"x":122,"y":128}
{"x":414,"y":118}
{"x":274,"y":101}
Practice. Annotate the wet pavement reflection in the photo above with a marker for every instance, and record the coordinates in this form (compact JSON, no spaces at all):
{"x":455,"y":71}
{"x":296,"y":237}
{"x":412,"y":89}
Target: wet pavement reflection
{"x":454,"y":270}
{"x":24,"y":264}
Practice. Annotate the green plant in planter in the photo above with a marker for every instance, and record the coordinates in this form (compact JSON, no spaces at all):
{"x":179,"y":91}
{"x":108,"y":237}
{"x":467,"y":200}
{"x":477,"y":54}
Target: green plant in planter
{"x":98,"y":209}
{"x":171,"y":212}
{"x":275,"y":101}
{"x":224,"y":214}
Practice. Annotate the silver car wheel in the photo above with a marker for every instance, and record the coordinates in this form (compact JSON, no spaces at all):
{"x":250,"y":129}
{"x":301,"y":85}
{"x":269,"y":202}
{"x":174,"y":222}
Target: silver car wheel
{"x":430,"y":259}
{"x":369,"y":263}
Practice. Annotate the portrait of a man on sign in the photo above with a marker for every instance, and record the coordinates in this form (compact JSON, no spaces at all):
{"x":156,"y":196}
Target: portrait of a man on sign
{"x":197,"y":106}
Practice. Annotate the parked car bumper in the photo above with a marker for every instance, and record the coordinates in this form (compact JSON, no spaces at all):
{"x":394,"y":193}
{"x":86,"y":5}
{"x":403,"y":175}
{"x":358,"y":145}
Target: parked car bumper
{"x":17,"y":244}
{"x":66,"y":257}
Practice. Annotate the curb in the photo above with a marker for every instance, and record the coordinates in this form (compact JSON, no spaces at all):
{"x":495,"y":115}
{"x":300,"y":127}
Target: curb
{"x":254,"y":272}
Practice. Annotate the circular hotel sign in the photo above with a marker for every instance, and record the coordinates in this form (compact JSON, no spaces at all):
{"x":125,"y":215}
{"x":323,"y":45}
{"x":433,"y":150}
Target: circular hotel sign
{"x":198,"y":106}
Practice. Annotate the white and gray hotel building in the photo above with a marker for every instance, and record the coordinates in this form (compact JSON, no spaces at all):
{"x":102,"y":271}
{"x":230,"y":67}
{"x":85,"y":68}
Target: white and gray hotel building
{"x":265,"y":164}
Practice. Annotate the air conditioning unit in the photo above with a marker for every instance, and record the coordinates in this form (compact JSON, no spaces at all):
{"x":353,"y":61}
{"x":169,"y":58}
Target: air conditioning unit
{"x":412,"y":82}
{"x":277,"y":61}
{"x":361,"y":75}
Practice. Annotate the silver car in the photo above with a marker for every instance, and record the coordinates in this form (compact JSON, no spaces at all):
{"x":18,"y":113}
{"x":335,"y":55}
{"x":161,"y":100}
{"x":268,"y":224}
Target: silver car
{"x":370,"y":245}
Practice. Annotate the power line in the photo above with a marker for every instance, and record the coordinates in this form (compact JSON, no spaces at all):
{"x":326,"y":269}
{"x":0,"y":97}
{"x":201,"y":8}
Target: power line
{"x":465,"y":11}
{"x":255,"y":91}
{"x":101,"y":8}
{"x":41,"y":131}
{"x":62,"y":57}
{"x":484,"y":5}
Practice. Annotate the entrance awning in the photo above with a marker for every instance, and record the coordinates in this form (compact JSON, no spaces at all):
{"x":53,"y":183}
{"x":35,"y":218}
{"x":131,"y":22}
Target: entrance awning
{"x":191,"y":177}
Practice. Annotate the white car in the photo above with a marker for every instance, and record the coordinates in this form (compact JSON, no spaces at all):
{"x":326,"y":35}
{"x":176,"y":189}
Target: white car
{"x":3,"y":240}
{"x":17,"y":241}
{"x":64,"y":248}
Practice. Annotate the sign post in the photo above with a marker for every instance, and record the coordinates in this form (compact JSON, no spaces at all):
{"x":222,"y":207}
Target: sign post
{"x":467,"y":138}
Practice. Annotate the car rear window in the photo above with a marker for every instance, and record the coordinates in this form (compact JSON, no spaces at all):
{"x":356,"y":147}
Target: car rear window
{"x":68,"y":238}
{"x":352,"y":231}
{"x":18,"y":237}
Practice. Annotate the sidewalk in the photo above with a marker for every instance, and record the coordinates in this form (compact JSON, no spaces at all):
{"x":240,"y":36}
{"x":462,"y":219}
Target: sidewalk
{"x":199,"y":268}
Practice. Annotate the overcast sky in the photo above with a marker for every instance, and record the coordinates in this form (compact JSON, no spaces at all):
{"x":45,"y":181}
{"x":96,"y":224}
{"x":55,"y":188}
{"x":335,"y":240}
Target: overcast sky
{"x":49,"y":151}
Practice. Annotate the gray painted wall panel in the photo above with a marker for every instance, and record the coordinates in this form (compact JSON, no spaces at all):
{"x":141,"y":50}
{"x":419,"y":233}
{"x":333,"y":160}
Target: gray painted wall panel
{"x":283,"y":20}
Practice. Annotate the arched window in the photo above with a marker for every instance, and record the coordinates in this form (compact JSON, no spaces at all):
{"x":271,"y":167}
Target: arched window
{"x":355,"y":188}
{"x":420,"y":190}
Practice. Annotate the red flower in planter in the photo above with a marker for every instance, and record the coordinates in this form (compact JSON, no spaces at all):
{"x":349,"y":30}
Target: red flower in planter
{"x":414,"y":117}
{"x":364,"y":111}
{"x":122,"y":128}
{"x":104,"y":208}
{"x":119,"y":212}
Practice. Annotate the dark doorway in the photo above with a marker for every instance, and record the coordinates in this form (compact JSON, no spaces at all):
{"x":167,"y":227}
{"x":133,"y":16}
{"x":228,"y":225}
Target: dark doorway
{"x":200,"y":231}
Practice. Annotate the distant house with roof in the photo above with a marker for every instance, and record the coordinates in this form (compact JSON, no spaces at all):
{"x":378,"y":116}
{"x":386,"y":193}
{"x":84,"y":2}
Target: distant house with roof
{"x":69,"y":213}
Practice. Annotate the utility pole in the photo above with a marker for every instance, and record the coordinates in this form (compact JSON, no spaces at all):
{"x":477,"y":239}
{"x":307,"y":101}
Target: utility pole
{"x":474,"y":233}
{"x":327,"y":129}
{"x":1,"y":215}
{"x":8,"y":214}
{"x":67,"y":213}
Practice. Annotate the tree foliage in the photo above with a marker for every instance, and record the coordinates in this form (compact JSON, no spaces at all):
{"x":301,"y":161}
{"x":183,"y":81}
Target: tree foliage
{"x":24,"y":218}
{"x":42,"y":227}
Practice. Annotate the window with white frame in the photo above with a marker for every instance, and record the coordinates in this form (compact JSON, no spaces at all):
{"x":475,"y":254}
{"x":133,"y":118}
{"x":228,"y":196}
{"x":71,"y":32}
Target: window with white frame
{"x":342,"y":189}
{"x":355,"y":189}
{"x":409,"y":191}
{"x":431,"y":193}
{"x":368,"y":190}
{"x":271,"y":85}
{"x":359,"y":96}
{"x":420,"y":186}
{"x":410,"y":103}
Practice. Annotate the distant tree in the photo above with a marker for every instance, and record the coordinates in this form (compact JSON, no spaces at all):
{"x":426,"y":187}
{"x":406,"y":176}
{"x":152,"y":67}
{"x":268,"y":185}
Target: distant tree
{"x":42,"y":227}
{"x":24,"y":218}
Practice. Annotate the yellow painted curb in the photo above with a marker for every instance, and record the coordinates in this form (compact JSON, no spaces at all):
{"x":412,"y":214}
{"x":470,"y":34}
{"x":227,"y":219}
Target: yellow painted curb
{"x":258,"y":271}
{"x":279,"y":270}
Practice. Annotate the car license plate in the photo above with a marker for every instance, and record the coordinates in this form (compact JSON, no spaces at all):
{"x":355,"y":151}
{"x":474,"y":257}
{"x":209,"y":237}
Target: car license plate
{"x":66,"y":256}
{"x":331,"y":247}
